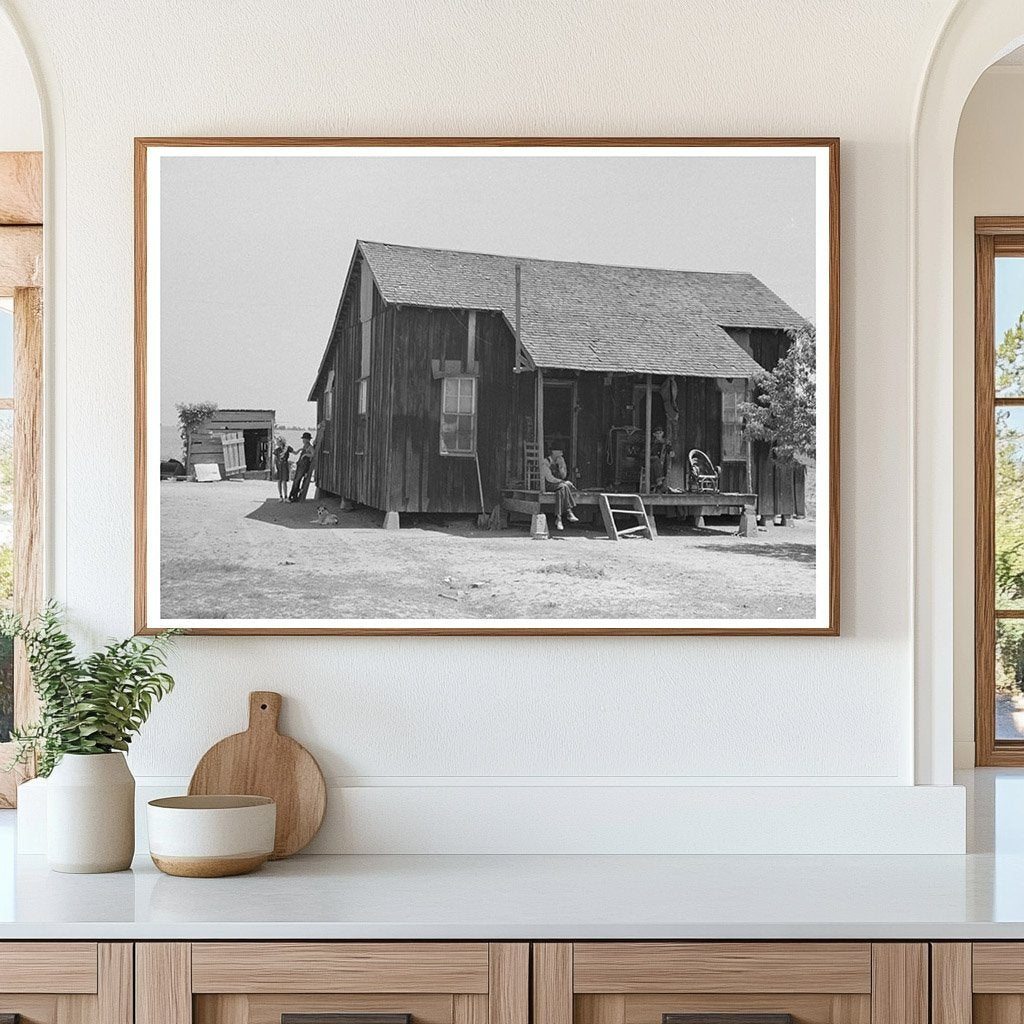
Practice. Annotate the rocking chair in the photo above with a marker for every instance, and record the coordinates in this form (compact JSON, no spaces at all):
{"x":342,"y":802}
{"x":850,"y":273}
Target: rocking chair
{"x":704,"y":474}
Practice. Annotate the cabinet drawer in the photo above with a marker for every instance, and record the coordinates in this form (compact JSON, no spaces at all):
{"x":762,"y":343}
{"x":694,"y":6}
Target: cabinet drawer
{"x":65,"y":967}
{"x":730,"y":983}
{"x":634,"y":967}
{"x":332,"y":983}
{"x":66,"y":982}
{"x":340,"y":967}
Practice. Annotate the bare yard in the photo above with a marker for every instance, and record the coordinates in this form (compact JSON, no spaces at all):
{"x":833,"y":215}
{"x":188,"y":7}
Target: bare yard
{"x":232,"y":550}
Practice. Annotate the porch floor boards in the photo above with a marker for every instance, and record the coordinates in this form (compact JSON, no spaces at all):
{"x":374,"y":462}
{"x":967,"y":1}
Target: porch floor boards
{"x":531,"y":502}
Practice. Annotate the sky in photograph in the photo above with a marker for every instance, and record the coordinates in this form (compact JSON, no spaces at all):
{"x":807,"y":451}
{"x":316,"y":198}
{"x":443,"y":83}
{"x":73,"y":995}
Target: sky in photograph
{"x":254,"y":250}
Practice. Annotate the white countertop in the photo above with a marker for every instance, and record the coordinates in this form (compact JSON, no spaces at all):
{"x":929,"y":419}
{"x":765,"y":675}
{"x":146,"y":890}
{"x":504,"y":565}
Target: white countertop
{"x":497,"y":897}
{"x":978,"y":896}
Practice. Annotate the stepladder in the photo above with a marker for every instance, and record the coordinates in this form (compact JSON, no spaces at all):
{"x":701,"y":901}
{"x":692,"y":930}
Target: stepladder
{"x":635,"y":519}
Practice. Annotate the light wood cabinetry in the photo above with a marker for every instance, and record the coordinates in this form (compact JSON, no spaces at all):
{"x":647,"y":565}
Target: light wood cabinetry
{"x":66,"y":982}
{"x":260,"y":982}
{"x":512,"y":982}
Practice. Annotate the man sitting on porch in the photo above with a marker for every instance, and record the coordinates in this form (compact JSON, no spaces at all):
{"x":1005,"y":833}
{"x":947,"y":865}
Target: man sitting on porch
{"x":661,"y":460}
{"x":555,"y":477}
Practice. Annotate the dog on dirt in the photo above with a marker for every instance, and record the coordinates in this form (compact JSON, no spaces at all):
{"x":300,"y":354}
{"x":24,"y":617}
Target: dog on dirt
{"x":324,"y":517}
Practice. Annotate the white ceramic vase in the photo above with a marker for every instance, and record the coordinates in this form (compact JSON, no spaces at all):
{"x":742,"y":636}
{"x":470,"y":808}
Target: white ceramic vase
{"x":90,"y":814}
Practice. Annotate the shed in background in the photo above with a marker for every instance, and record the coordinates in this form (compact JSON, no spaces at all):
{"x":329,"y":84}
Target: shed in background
{"x":238,"y":440}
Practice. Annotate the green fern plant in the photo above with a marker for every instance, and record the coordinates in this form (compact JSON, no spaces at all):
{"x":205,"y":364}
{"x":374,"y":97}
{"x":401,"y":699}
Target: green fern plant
{"x":90,"y":705}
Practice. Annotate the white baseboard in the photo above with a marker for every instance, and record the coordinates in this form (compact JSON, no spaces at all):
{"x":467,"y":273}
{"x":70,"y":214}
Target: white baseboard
{"x":572,"y":819}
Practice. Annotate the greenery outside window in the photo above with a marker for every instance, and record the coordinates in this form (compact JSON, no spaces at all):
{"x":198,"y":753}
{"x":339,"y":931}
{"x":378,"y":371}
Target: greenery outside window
{"x":999,"y":491}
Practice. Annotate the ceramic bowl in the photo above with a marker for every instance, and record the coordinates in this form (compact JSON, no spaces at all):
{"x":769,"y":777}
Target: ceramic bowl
{"x":211,"y":836}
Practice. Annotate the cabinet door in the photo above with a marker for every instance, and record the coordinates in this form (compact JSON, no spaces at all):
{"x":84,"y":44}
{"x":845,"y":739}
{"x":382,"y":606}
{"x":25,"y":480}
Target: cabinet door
{"x":66,"y":983}
{"x":332,"y":983}
{"x":730,"y":983}
{"x":979,"y":982}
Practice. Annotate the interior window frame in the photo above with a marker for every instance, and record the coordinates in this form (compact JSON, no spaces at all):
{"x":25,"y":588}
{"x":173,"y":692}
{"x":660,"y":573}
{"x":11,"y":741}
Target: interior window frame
{"x":994,"y":237}
{"x":27,"y":407}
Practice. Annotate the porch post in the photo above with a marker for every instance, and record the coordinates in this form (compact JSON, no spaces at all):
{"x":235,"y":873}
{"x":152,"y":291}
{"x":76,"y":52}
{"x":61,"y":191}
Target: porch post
{"x":746,"y":444}
{"x":540,"y":415}
{"x":647,"y":440}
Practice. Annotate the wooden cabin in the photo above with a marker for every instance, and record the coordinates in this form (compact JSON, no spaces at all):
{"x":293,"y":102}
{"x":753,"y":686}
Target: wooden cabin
{"x":239,"y":441}
{"x":430,"y":401}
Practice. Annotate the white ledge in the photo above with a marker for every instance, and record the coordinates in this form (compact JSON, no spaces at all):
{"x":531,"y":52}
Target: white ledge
{"x":542,"y":897}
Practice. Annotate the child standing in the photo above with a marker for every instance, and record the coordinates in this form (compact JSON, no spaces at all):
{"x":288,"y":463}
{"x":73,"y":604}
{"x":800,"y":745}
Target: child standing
{"x":282,"y":451}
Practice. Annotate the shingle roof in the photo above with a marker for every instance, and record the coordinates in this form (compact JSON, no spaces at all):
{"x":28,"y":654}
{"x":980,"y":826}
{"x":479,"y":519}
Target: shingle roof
{"x":587,"y":316}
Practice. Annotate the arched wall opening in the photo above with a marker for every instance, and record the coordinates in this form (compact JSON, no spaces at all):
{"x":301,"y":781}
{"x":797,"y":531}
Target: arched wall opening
{"x":976,"y":35}
{"x":989,"y":153}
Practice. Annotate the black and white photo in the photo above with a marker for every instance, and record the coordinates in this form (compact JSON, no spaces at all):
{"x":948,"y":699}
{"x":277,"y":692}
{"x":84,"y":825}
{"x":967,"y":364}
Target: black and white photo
{"x":481,"y":387}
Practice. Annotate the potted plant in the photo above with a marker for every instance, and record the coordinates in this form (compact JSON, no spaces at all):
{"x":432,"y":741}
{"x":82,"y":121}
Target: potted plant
{"x":89,"y":710}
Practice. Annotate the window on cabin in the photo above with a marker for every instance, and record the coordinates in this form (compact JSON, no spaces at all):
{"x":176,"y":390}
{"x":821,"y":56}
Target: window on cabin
{"x":458,"y":416}
{"x":329,"y":396}
{"x":733,"y":448}
{"x":362,"y":392}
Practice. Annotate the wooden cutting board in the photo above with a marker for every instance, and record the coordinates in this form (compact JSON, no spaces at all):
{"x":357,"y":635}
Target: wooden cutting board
{"x":262,"y":762}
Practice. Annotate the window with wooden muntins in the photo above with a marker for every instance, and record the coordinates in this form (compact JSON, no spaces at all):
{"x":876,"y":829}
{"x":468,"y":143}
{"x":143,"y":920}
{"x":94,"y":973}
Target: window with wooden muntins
{"x":999,"y":491}
{"x":458,"y":416}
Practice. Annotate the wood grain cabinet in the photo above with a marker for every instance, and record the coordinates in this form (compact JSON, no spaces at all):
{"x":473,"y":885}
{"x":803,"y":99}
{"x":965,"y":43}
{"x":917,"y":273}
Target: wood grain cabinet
{"x":978,"y":983}
{"x":66,"y":982}
{"x":736,"y":982}
{"x":497,"y":983}
{"x":332,"y":983}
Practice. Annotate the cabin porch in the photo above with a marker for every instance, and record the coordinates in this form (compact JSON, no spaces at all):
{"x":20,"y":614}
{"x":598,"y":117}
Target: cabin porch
{"x":695,"y":503}
{"x":604,"y":424}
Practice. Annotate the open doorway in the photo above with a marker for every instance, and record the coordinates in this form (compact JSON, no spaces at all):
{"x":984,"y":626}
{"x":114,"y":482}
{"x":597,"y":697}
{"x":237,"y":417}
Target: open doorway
{"x":560,"y":420}
{"x":257,"y":449}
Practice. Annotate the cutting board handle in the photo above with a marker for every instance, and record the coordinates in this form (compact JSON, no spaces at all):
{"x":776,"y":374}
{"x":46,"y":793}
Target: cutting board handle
{"x":264,"y":710}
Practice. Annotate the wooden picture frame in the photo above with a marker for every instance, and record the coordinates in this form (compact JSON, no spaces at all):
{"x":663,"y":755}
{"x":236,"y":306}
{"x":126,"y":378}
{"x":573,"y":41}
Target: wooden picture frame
{"x":825,"y":619}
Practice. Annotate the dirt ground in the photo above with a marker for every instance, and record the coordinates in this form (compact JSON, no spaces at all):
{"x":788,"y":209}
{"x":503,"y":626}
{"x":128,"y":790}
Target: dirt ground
{"x":232,"y":550}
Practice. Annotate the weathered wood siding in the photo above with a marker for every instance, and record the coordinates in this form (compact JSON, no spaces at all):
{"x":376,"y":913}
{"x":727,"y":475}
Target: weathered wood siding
{"x":334,"y":459}
{"x":401,"y":467}
{"x":421,"y":479}
{"x":360,"y":476}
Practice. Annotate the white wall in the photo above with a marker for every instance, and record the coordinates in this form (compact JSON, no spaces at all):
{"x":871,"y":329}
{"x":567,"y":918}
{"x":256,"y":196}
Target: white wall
{"x":430,"y":716}
{"x":987,"y":181}
{"x":21,"y":127}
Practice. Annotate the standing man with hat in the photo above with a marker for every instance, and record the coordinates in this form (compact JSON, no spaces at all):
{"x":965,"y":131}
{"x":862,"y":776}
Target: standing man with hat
{"x":303,"y":469}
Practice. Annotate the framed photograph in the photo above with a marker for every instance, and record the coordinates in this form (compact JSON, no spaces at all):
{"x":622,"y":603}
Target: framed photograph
{"x":500,"y":386}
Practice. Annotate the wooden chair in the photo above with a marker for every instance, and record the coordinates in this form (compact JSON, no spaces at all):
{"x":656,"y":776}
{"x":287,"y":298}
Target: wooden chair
{"x":531,"y":466}
{"x":704,"y":474}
